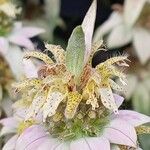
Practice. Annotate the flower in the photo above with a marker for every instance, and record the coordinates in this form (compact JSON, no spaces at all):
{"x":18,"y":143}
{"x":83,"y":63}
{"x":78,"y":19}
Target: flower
{"x":47,"y":19}
{"x":19,"y":36}
{"x":14,"y":32}
{"x":9,"y":8}
{"x":120,"y":131}
{"x":55,"y":82}
{"x":13,"y":35}
{"x":129,"y":25}
{"x":76,"y":102}
{"x":137,"y":87}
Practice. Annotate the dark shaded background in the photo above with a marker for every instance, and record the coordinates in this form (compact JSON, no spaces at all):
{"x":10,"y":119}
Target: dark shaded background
{"x":73,"y":12}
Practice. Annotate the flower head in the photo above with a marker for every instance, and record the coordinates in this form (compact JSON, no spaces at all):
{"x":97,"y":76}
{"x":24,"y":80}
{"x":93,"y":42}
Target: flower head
{"x":75,"y":100}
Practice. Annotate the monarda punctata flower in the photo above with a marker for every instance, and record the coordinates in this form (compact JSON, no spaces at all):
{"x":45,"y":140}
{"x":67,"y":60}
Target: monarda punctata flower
{"x":76,"y":103}
{"x":14,"y":35}
{"x":11,"y":32}
{"x":128,"y":25}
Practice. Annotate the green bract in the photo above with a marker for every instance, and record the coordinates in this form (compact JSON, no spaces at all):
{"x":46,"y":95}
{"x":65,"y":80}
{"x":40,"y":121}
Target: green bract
{"x":75,"y":52}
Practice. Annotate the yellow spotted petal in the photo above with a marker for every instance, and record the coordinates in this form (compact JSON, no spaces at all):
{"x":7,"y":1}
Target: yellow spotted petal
{"x":21,"y":103}
{"x":90,"y":91}
{"x":36,"y":105}
{"x":57,"y":51}
{"x":52,"y":102}
{"x":117,"y":73}
{"x":116,"y":59}
{"x":108,"y":99}
{"x":96,"y":77}
{"x":27,"y":83}
{"x":115,"y":86}
{"x":39,"y":55}
{"x":74,"y":99}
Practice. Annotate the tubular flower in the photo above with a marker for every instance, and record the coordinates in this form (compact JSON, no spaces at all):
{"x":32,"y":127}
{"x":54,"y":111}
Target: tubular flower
{"x":78,"y":107}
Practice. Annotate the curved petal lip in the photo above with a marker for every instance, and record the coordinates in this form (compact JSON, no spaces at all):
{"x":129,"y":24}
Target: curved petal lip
{"x":120,"y":132}
{"x":132,"y":117}
{"x":30,"y":135}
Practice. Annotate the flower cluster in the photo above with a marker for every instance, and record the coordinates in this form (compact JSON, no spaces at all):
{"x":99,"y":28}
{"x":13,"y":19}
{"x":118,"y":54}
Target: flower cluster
{"x":71,"y":105}
{"x":13,"y":36}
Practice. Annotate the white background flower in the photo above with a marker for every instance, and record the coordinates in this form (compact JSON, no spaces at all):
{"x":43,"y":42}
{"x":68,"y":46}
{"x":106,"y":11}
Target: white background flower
{"x":122,"y":28}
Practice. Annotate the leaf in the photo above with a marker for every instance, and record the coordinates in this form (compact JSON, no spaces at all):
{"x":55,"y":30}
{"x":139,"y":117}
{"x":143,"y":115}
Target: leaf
{"x":144,"y":141}
{"x":141,"y":99}
{"x":75,"y":52}
{"x":88,"y":27}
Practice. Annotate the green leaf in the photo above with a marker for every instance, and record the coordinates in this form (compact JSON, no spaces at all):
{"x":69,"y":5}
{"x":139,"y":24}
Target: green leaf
{"x":75,"y":52}
{"x":141,"y":99}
